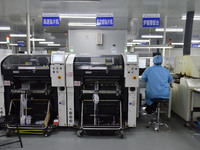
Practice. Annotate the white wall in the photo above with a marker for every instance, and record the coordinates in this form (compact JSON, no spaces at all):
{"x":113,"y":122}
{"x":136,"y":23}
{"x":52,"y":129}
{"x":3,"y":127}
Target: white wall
{"x":84,"y":41}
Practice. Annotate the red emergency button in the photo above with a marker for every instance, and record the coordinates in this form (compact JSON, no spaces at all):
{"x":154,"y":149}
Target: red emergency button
{"x":134,"y":77}
{"x":59,"y":77}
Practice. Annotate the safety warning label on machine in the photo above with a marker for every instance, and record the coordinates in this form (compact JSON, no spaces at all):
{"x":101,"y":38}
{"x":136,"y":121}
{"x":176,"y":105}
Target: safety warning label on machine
{"x":77,"y":83}
{"x":70,"y":74}
{"x":6,"y":83}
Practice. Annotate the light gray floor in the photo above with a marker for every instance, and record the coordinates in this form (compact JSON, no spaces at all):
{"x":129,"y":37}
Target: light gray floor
{"x":139,"y":138}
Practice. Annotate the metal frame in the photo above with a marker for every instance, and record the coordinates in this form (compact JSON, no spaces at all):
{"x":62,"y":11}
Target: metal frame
{"x":82,"y":127}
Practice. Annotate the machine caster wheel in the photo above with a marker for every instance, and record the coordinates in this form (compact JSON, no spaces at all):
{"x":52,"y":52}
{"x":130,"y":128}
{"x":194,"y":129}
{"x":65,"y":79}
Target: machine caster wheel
{"x":47,"y":133}
{"x":121,"y":134}
{"x":79,"y":133}
{"x":147,"y":126}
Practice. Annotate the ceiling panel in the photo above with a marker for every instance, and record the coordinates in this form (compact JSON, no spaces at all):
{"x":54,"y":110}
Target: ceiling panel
{"x":127,"y":16}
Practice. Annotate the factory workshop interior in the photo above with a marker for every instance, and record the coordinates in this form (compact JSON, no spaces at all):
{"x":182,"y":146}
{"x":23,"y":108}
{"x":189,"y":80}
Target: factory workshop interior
{"x":100,"y":74}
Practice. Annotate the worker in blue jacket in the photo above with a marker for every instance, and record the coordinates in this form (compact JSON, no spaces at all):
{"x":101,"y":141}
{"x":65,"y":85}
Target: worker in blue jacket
{"x":157,"y":78}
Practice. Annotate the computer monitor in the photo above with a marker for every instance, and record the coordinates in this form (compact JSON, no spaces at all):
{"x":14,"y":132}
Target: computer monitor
{"x":131,"y":59}
{"x":57,"y":58}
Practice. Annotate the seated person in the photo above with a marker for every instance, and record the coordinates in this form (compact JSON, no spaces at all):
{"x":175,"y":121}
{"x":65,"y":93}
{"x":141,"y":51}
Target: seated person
{"x":157,"y":78}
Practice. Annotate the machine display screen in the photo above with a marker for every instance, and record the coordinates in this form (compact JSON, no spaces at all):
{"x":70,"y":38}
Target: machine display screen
{"x":57,"y":58}
{"x":131,"y":58}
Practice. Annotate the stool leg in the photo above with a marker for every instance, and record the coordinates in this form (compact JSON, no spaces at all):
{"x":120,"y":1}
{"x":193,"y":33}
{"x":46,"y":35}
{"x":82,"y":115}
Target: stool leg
{"x":18,"y":134}
{"x":157,"y":124}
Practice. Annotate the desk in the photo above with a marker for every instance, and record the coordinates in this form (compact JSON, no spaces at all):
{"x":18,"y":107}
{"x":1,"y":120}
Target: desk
{"x":192,"y":107}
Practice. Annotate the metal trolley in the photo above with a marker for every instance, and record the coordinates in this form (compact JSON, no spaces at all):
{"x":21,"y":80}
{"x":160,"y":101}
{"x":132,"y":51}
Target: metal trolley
{"x":30,"y":123}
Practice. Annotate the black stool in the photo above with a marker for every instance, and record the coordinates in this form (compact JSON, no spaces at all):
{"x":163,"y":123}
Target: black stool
{"x":10,"y":120}
{"x":157,"y":123}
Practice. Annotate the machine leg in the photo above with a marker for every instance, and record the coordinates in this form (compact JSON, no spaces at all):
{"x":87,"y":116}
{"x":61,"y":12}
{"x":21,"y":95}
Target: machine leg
{"x":79,"y":133}
{"x":121,"y":134}
{"x":48,"y":131}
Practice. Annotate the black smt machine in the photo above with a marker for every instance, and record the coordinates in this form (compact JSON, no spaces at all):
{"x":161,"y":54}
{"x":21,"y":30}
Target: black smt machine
{"x":29,"y":96}
{"x":100,"y":100}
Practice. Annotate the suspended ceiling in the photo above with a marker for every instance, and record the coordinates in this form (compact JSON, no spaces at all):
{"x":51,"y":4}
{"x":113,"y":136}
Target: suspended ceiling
{"x":127,"y":16}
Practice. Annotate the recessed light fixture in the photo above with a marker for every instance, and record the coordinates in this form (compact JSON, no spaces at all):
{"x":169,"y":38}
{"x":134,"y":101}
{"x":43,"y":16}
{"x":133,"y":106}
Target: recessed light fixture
{"x":195,"y":17}
{"x":4,"y":28}
{"x":75,"y":24}
{"x":12,"y":44}
{"x":142,"y":41}
{"x":78,"y":16}
{"x":37,"y":40}
{"x":18,"y":35}
{"x":3,"y":42}
{"x":46,"y":42}
{"x":177,"y":43}
{"x":152,"y":36}
{"x":169,"y":30}
{"x":133,"y":43}
{"x":195,"y":41}
{"x":53,"y":44}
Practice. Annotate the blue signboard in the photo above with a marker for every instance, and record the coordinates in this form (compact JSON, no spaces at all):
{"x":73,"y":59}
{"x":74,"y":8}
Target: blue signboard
{"x":104,"y":21}
{"x":50,"y":21}
{"x":143,"y":44}
{"x":151,"y":22}
{"x":20,"y":43}
{"x":195,"y":45}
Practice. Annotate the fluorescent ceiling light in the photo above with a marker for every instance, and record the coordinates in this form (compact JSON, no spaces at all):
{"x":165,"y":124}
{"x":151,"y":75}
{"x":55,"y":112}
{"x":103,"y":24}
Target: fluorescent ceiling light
{"x":3,"y":42}
{"x":177,"y":43}
{"x":169,"y":30}
{"x":153,"y":46}
{"x":18,"y":35}
{"x":152,"y":36}
{"x":53,"y":44}
{"x":4,"y":28}
{"x":133,"y":43}
{"x":82,"y":24}
{"x":195,"y":41}
{"x":142,"y":41}
{"x":77,"y":15}
{"x":70,"y":0}
{"x":12,"y":44}
{"x":37,"y":40}
{"x":46,"y":42}
{"x":195,"y":17}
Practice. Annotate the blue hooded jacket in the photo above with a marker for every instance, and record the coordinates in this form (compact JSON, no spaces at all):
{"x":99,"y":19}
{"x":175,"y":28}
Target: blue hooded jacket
{"x":157,"y":78}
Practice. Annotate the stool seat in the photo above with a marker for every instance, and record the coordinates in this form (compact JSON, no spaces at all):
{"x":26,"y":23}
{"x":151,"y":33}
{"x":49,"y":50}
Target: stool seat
{"x":160,"y":100}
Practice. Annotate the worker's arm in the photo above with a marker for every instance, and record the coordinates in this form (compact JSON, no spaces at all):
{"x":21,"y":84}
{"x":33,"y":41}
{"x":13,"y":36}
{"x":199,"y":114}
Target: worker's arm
{"x":169,"y":78}
{"x":144,"y":75}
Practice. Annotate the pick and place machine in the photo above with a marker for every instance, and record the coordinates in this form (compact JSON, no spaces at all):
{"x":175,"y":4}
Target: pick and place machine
{"x":29,"y":97}
{"x":93,"y":93}
{"x":105,"y":92}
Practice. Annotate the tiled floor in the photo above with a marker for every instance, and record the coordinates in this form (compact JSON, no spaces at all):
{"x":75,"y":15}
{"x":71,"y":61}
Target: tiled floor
{"x":139,"y":138}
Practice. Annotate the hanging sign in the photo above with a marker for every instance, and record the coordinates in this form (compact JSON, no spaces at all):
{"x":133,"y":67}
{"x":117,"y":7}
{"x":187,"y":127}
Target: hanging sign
{"x":151,"y":20}
{"x":50,"y":19}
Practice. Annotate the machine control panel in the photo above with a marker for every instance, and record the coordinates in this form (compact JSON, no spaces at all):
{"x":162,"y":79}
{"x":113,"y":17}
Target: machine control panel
{"x":131,"y":69}
{"x":58,"y":69}
{"x":58,"y":75}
